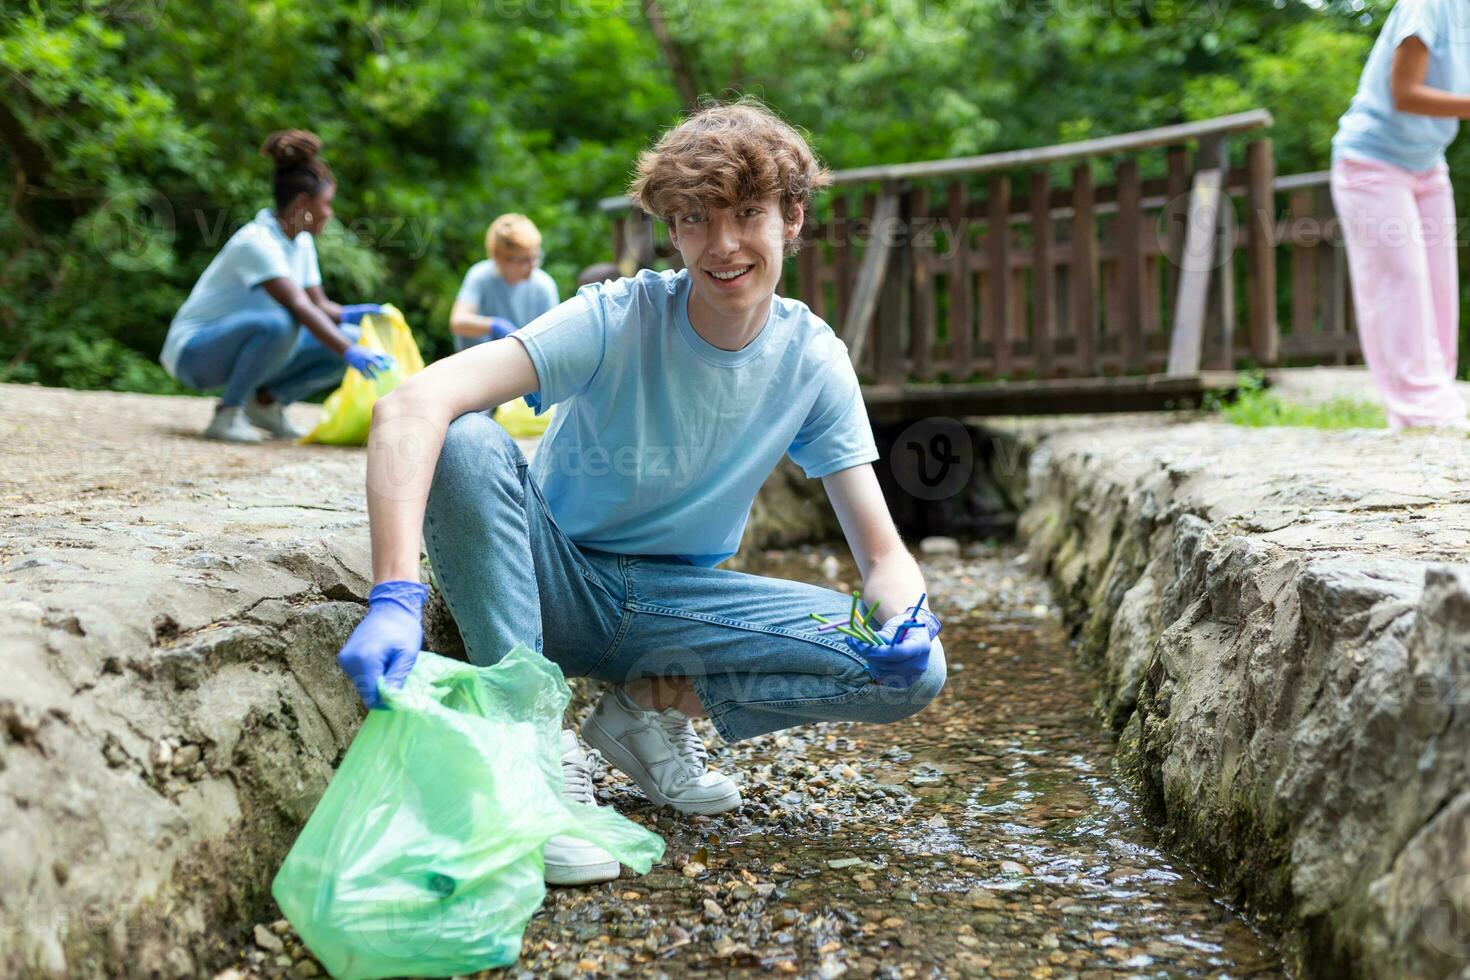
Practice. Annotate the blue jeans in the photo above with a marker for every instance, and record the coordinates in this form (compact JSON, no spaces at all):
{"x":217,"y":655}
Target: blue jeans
{"x":256,"y":349}
{"x":747,"y":642}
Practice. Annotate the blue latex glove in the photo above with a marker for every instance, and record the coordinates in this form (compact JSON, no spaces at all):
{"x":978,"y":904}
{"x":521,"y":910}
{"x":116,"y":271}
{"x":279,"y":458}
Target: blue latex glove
{"x":899,"y":662}
{"x":368,"y":363}
{"x":501,"y":327}
{"x":386,"y":643}
{"x":355,"y":312}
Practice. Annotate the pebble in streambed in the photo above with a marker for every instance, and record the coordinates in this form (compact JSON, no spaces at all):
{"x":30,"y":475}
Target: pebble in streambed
{"x":982,"y":837}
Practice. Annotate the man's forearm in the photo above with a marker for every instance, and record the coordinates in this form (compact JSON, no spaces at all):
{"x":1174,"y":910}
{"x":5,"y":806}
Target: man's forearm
{"x":469,"y":325}
{"x":403,"y":451}
{"x":894,"y":582}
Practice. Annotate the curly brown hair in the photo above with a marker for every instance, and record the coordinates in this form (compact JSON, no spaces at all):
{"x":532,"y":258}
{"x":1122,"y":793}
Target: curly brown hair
{"x":724,"y":154}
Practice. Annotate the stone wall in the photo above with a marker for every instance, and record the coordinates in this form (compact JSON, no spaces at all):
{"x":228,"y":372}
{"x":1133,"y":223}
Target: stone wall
{"x":1282,"y":622}
{"x":172,"y":610}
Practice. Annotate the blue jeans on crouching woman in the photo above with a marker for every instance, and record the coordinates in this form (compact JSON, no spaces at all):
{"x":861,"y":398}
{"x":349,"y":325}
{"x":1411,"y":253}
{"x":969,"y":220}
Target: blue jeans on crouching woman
{"x":510,"y":575}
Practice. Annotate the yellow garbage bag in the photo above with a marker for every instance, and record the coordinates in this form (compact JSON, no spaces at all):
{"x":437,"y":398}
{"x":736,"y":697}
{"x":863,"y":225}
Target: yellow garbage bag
{"x":521,"y":420}
{"x":347,"y":414}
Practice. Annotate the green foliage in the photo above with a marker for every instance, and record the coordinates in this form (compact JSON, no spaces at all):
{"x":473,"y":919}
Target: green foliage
{"x":129,"y":128}
{"x":1256,"y":406}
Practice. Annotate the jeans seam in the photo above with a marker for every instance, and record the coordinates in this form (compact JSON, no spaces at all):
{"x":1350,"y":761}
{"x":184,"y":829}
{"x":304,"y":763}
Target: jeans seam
{"x":625,"y":618}
{"x":528,"y":484}
{"x":644,"y":607}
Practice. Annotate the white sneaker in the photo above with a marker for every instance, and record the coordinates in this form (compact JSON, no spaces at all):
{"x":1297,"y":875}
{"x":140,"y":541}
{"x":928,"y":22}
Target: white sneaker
{"x":229,"y":425}
{"x":271,"y":418}
{"x":571,"y":860}
{"x":662,"y":754}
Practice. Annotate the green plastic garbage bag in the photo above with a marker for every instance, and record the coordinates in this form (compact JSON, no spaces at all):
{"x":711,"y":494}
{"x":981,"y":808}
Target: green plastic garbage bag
{"x":423,"y":857}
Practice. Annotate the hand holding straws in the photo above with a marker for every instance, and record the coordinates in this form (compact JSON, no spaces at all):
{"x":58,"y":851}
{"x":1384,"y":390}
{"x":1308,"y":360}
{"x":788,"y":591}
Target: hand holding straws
{"x":857,"y":625}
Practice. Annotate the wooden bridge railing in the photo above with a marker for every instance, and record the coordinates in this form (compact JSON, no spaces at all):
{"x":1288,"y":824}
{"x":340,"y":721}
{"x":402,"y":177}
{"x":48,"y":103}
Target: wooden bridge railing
{"x":982,"y":268}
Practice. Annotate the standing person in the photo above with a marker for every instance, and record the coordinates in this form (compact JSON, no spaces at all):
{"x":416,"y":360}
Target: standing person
{"x":1391,"y":187}
{"x":505,"y":291}
{"x":680,"y":392}
{"x":240,"y":328}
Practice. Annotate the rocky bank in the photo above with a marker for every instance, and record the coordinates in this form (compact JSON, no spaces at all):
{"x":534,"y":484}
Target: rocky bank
{"x":171,"y":610}
{"x":1281,"y":622}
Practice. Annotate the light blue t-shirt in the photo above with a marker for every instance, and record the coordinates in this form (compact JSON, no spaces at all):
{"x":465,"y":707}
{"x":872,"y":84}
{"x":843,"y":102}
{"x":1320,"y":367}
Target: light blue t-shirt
{"x":257,"y":253}
{"x":493,"y":296}
{"x":1372,"y":128}
{"x":662,"y":439}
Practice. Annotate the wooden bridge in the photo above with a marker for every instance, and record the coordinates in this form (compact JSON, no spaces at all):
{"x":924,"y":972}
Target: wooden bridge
{"x":1017,"y":282}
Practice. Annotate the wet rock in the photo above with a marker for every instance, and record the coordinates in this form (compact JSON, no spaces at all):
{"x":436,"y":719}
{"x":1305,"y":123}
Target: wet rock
{"x":939,"y":547}
{"x":268,"y":940}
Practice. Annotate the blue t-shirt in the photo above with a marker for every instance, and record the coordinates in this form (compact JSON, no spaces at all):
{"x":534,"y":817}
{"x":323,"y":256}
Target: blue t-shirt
{"x":1372,"y":128}
{"x":662,"y":439}
{"x":257,"y":253}
{"x":493,"y":296}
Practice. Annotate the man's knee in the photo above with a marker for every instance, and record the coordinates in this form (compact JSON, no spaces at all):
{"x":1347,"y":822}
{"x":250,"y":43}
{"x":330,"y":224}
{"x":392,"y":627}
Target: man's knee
{"x":905,"y":702}
{"x":477,"y":452}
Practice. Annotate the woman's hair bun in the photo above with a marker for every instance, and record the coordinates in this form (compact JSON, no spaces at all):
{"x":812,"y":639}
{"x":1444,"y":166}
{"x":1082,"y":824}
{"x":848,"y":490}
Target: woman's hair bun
{"x":291,"y":148}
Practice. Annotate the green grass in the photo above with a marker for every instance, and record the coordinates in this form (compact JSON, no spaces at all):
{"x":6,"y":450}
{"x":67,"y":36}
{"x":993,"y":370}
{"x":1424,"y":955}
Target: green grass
{"x":1259,"y":408}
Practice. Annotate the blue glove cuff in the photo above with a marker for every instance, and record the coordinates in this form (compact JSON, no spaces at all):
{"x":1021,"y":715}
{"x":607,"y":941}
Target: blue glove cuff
{"x":924,"y":616}
{"x":408,"y":596}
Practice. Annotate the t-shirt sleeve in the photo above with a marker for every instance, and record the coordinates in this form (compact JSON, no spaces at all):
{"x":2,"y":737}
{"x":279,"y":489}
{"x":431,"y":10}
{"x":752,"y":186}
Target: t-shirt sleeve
{"x":258,"y":259}
{"x":836,"y":434}
{"x":1423,"y":19}
{"x":566,"y":346}
{"x":473,"y":285}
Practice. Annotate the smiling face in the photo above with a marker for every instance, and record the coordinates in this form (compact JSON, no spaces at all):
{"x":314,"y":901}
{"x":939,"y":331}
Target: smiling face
{"x":735,"y":255}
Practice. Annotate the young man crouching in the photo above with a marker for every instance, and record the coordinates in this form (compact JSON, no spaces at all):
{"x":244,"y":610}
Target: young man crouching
{"x":679,"y":393}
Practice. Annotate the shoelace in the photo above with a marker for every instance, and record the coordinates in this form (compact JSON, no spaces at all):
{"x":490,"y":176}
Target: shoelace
{"x":576,"y":776}
{"x":687,"y":745}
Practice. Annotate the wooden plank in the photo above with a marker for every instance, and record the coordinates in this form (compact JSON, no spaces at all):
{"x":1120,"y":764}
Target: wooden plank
{"x":867,"y":366}
{"x":1265,"y":332}
{"x":1083,"y":273}
{"x":1321,"y":346}
{"x":807,"y":289}
{"x":1175,"y":217}
{"x":997,"y":251}
{"x":841,"y":257}
{"x":1130,"y":266}
{"x":961,"y":286}
{"x":1219,"y":339}
{"x":620,"y":240}
{"x":1060,"y":153}
{"x":895,"y":308}
{"x":1332,"y":267}
{"x":1303,"y":262}
{"x":921,"y":348}
{"x":1186,"y":342}
{"x":1043,"y":277}
{"x":870,"y":279}
{"x":898,"y":403}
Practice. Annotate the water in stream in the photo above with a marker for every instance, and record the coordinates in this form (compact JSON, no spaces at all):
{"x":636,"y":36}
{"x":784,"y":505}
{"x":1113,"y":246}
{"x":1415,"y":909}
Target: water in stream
{"x":983,"y":837}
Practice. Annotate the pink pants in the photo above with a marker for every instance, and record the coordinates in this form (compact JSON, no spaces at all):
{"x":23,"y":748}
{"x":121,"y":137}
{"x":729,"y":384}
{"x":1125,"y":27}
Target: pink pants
{"x":1401,"y":242}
